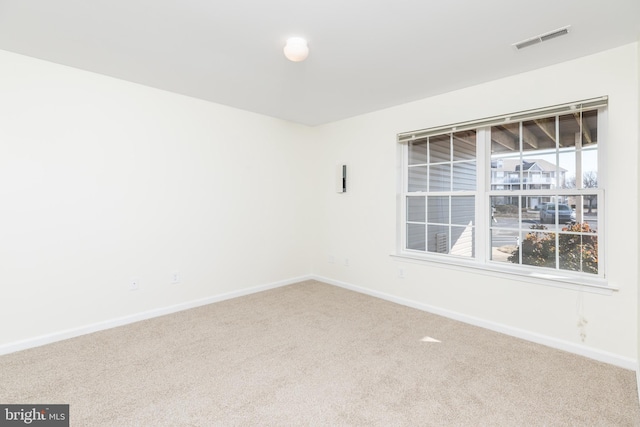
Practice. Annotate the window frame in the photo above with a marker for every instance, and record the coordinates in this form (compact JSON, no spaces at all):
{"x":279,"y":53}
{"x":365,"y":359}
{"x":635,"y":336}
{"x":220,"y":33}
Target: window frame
{"x":482,"y":261}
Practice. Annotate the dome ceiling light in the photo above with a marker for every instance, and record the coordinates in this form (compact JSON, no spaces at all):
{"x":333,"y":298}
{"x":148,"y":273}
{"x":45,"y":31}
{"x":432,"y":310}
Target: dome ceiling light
{"x":296,"y":49}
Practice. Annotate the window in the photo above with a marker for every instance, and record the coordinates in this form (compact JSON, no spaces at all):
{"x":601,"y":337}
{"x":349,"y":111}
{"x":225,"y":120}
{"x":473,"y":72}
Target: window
{"x":441,"y":194}
{"x":519,"y":193}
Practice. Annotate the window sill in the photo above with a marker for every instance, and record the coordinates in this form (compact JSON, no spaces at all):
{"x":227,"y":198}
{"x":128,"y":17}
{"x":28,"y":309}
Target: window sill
{"x":494,"y":269}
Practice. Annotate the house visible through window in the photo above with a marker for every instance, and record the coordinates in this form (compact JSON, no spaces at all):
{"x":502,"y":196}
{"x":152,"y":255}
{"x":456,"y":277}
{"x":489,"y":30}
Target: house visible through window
{"x":517,"y":192}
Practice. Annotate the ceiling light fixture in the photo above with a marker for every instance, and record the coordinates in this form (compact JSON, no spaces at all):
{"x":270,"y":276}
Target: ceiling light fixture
{"x":296,"y":49}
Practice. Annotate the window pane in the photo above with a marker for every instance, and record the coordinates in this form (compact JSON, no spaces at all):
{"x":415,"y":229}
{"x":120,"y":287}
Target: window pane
{"x":464,"y":145}
{"x":590,"y":167}
{"x":462,"y":241}
{"x":570,"y":252}
{"x":539,"y":249}
{"x":505,"y":211}
{"x":438,"y":209}
{"x":416,"y":209}
{"x":464,"y":176}
{"x":440,"y":149}
{"x":440,"y":177}
{"x":417,"y":179}
{"x":539,"y":134}
{"x":503,"y":244}
{"x":539,"y":171}
{"x":418,"y":153}
{"x":505,"y":139}
{"x":499,"y":176}
{"x":578,"y":249}
{"x":557,"y":213}
{"x":567,"y":174}
{"x":587,"y":211}
{"x":416,"y":237}
{"x":589,"y":128}
{"x":463,"y":210}
{"x":572,"y":162}
{"x":505,"y":156}
{"x":569,"y":129}
{"x":589,"y":254}
{"x":438,"y":239}
{"x":505,"y":227}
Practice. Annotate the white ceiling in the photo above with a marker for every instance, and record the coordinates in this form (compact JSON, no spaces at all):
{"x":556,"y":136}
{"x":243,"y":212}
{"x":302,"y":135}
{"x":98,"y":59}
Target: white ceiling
{"x":365,"y":55}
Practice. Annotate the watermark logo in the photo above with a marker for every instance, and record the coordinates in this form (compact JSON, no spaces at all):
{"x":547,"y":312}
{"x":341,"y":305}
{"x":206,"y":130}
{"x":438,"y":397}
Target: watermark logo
{"x":34,"y":415}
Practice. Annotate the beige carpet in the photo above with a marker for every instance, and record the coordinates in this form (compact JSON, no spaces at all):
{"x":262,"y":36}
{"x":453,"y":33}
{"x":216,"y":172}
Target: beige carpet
{"x":313,"y":354}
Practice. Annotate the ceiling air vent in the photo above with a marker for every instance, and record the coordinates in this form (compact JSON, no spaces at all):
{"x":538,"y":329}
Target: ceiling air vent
{"x":542,"y":37}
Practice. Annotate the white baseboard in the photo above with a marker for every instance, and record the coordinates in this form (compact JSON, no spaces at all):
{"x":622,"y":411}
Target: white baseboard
{"x":120,"y":321}
{"x":602,"y":356}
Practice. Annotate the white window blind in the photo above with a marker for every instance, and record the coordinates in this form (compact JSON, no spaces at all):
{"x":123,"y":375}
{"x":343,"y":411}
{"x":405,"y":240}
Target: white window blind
{"x":578,"y":106}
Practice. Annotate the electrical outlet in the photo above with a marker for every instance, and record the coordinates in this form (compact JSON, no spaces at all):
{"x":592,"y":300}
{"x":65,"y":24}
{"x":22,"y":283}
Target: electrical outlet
{"x":331,"y":259}
{"x":400,"y":273}
{"x":346,"y":262}
{"x":134,"y":284}
{"x":175,"y":277}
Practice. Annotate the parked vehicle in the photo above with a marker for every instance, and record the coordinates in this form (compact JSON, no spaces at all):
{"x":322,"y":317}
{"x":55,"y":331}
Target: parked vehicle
{"x":565,"y":213}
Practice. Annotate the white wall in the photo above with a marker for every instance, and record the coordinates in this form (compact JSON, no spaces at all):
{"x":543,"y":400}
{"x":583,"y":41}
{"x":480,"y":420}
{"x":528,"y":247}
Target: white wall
{"x":103,"y":180}
{"x":361,"y":225}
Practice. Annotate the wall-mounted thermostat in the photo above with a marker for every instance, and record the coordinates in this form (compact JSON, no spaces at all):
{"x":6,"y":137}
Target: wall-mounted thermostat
{"x":341,"y":178}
